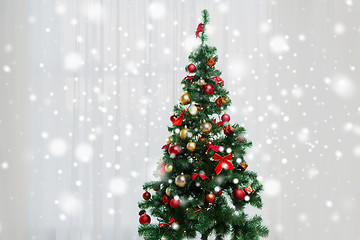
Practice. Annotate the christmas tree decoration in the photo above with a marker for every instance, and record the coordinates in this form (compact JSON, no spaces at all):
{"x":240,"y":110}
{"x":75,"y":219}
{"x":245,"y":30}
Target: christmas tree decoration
{"x":210,"y":197}
{"x":218,"y":80}
{"x":238,"y":194}
{"x":169,"y":168}
{"x":146,"y":195}
{"x":191,"y":68}
{"x":211,"y":61}
{"x":224,"y":162}
{"x":172,"y":118}
{"x":228,"y":130}
{"x":225,"y":118}
{"x":202,"y":166}
{"x":220,"y":101}
{"x":241,"y":139}
{"x":181,"y":180}
{"x":174,"y":203}
{"x":174,"y":150}
{"x":144,"y":219}
{"x":184,"y":133}
{"x":170,"y":223}
{"x":208,"y":89}
{"x":166,"y":199}
{"x":205,"y":127}
{"x":199,"y":175}
{"x":185,"y":99}
{"x":167,"y":192}
{"x":243,"y":166}
{"x":193,"y":110}
{"x":169,"y":139}
{"x":191,"y":146}
{"x":201,"y":82}
{"x":249,"y":190}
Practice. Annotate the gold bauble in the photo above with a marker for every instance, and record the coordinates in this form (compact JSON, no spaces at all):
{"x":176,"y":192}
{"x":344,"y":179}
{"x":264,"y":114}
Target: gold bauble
{"x":201,"y":82}
{"x":191,"y":146}
{"x":185,"y":99}
{"x":169,"y":168}
{"x":183,"y":133}
{"x":169,"y":139}
{"x":193,"y":110}
{"x":181,"y":180}
{"x":205,"y":127}
{"x":167,"y":191}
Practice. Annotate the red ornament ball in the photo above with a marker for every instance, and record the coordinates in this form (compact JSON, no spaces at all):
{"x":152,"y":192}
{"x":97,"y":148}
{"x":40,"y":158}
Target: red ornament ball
{"x":238,"y":194}
{"x":174,"y":150}
{"x":166,"y":199}
{"x":208,"y":89}
{"x":146,"y":195}
{"x":191,"y":68}
{"x":174,"y":203}
{"x":144,"y":219}
{"x":172,"y":118}
{"x":225,"y":118}
{"x":210,"y":197}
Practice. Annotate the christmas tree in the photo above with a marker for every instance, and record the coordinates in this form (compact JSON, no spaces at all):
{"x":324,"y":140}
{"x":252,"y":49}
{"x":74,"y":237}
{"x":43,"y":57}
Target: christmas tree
{"x":204,"y":184}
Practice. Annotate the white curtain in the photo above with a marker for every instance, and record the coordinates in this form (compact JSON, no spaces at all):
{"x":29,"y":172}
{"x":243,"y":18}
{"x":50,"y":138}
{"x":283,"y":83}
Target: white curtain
{"x":87,"y":88}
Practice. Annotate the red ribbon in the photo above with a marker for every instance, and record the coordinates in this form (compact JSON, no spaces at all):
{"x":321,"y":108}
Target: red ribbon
{"x":168,"y":224}
{"x":219,"y":123}
{"x":218,"y":80}
{"x":179,"y":119}
{"x":213,"y":147}
{"x":199,"y":29}
{"x":162,"y":170}
{"x":189,"y":77}
{"x":166,"y":146}
{"x":202,"y":176}
{"x":223,"y":161}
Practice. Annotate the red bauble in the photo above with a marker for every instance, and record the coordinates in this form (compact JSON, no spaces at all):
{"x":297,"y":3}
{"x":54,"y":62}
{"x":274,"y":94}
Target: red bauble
{"x":172,"y":118}
{"x":211,"y":61}
{"x":219,"y":192}
{"x":144,"y":219}
{"x":238,"y":194}
{"x":174,"y":203}
{"x":174,"y":150}
{"x":225,"y":118}
{"x":208,"y":89}
{"x":210,"y":197}
{"x":191,"y":68}
{"x":146,"y":195}
{"x":166,"y":199}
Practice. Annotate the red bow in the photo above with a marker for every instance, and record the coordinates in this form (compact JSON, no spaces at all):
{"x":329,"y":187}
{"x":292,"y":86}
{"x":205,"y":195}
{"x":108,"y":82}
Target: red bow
{"x":202,"y":176}
{"x":166,"y":146}
{"x":168,"y":224}
{"x":223,"y":161}
{"x":213,"y":147}
{"x":219,"y":123}
{"x":199,"y":29}
{"x":218,"y":80}
{"x":189,"y":77}
{"x":179,"y":119}
{"x":162,"y":170}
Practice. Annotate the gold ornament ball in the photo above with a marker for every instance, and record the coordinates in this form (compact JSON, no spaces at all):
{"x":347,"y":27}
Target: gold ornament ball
{"x":191,"y":146}
{"x":169,"y":168}
{"x":201,"y":82}
{"x":193,"y":110}
{"x":205,"y":127}
{"x":183,"y":133}
{"x":169,"y":139}
{"x":181,"y":180}
{"x":167,"y":191}
{"x":185,"y":99}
